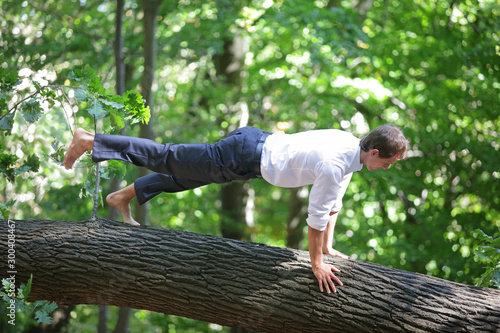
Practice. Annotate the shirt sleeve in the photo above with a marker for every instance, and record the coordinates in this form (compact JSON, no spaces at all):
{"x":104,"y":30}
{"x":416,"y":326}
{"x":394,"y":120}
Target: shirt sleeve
{"x":343,"y":188}
{"x":325,"y":195}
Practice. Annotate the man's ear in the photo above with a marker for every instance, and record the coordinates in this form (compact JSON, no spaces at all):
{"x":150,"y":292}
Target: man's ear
{"x":374,"y":152}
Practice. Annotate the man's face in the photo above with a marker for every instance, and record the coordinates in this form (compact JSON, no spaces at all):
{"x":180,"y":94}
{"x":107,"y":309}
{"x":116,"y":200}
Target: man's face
{"x":375,"y":162}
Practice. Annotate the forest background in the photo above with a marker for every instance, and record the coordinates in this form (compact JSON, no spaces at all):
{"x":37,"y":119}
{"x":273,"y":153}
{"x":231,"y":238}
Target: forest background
{"x":208,"y":67}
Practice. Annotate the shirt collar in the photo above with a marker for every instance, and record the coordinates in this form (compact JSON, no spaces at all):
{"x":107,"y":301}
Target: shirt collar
{"x":356,"y":163}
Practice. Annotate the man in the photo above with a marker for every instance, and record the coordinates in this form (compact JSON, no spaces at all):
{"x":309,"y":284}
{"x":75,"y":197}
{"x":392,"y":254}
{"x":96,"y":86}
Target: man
{"x":324,"y":158}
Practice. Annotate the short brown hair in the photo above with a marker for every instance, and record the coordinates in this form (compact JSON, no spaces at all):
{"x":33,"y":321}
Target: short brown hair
{"x":388,"y":139}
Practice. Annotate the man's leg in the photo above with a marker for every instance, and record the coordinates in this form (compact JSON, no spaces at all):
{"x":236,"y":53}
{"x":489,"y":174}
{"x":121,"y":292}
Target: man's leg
{"x":120,"y":200}
{"x":184,"y":166}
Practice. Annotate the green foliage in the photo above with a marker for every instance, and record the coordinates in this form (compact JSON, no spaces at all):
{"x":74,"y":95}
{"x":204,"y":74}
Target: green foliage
{"x":4,"y":209}
{"x":489,"y":254}
{"x":90,"y":94}
{"x":40,"y":309}
{"x":6,"y":121}
{"x":9,"y":161}
{"x":134,"y":105}
{"x":31,"y":110}
{"x":101,"y":104}
{"x":8,"y":80}
{"x":6,"y":165}
{"x":58,"y":155}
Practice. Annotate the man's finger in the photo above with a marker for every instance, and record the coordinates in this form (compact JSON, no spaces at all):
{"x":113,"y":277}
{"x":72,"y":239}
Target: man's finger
{"x":332,"y":285}
{"x":327,"y":287}
{"x":337,"y":280}
{"x":341,"y":255}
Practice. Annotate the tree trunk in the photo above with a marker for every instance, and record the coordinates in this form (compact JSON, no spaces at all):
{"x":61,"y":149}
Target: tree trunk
{"x":297,"y":214}
{"x":123,"y":322}
{"x":233,"y":283}
{"x":103,"y":319}
{"x":229,"y":65}
{"x":233,"y":224}
{"x":124,"y":313}
{"x":150,"y":8}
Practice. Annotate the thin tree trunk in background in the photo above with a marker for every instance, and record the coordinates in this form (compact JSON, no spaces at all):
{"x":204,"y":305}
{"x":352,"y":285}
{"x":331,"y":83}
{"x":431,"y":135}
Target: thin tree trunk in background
{"x":297,"y":214}
{"x":119,"y":56}
{"x":103,"y":319}
{"x":233,"y":199}
{"x":123,"y":323}
{"x":120,"y":84}
{"x":123,"y":320}
{"x":234,"y":196}
{"x":150,"y":8}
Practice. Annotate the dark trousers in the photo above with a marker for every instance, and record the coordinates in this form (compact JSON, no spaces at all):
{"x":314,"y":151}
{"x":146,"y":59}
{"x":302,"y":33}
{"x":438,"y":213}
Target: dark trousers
{"x":181,"y":167}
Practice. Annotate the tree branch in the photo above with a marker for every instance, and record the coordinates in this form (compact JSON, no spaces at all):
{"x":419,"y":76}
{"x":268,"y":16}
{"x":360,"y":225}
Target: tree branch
{"x":37,"y":91}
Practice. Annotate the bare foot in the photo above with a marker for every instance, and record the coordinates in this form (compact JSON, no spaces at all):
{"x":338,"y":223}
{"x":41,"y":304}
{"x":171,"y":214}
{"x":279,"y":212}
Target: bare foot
{"x":121,"y":203}
{"x":82,"y":142}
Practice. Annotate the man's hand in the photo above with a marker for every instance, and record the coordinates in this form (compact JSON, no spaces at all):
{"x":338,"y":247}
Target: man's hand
{"x":326,"y":278}
{"x":322,"y":271}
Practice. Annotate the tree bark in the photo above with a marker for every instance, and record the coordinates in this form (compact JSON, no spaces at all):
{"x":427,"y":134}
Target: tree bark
{"x":233,"y":224}
{"x":150,"y":8}
{"x":233,"y":283}
{"x":297,"y":214}
{"x":229,"y":65}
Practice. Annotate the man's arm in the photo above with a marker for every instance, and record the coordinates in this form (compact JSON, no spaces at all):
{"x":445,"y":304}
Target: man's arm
{"x":322,"y":271}
{"x":328,"y":238}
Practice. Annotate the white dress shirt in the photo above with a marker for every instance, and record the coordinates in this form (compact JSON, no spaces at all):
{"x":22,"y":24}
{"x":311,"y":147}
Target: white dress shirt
{"x":324,"y":158}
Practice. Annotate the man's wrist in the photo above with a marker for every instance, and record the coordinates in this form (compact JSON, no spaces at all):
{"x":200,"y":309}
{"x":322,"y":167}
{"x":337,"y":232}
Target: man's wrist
{"x":316,"y":266}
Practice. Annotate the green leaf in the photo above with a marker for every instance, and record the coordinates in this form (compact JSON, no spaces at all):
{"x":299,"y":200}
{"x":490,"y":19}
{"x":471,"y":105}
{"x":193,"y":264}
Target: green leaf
{"x":136,"y":110}
{"x":117,"y":119}
{"x":8,"y":79}
{"x":97,"y":110}
{"x":6,"y":163}
{"x":6,"y":285}
{"x":31,"y":164}
{"x":42,"y":317}
{"x":21,"y":169}
{"x":4,"y":209}
{"x":490,"y":254}
{"x":50,"y":306}
{"x":27,"y":289}
{"x":80,"y":95}
{"x":7,"y":122}
{"x":21,"y":305}
{"x":114,"y":105}
{"x":58,"y":155}
{"x":95,"y":83}
{"x":117,"y":168}
{"x":77,"y":74}
{"x":495,"y":281}
{"x":31,"y":110}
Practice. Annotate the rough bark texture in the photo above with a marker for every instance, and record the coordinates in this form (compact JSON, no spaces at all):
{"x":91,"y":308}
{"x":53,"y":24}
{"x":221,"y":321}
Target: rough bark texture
{"x":234,"y":283}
